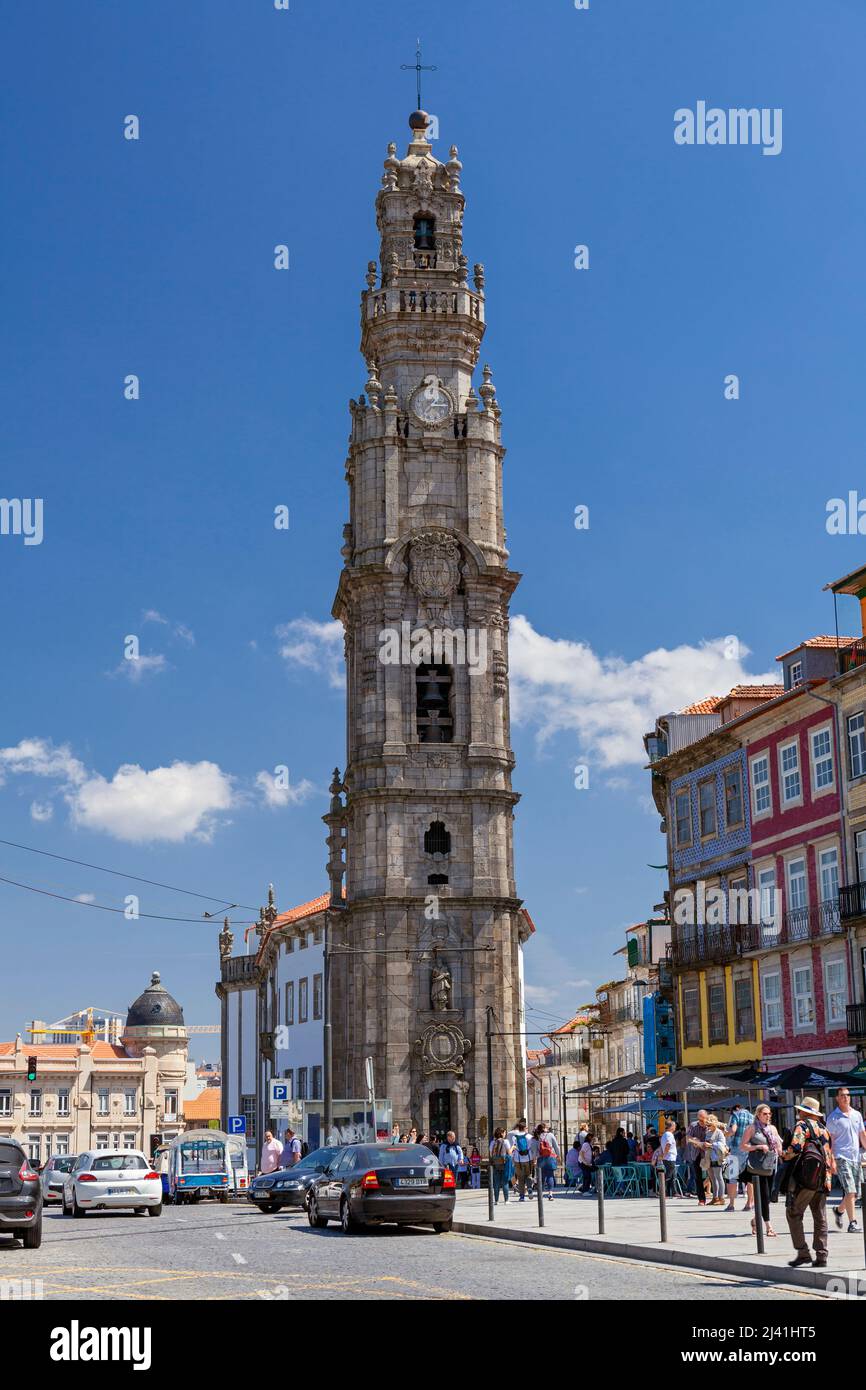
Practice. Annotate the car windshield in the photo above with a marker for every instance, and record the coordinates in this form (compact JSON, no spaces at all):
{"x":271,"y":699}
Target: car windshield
{"x":63,"y":1165}
{"x":116,"y":1163}
{"x":315,"y":1162}
{"x":396,"y":1155}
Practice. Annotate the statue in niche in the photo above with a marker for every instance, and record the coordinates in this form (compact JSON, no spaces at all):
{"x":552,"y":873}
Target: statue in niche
{"x":441,"y":986}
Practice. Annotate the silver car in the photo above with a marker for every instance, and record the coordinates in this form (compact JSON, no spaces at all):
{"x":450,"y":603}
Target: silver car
{"x":53,"y":1175}
{"x":106,"y":1179}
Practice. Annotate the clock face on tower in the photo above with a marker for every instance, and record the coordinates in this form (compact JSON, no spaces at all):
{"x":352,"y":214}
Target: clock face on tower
{"x":431,"y":403}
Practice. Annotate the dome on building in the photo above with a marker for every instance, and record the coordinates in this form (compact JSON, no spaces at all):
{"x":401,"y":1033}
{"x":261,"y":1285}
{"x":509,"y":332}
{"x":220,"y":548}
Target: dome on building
{"x":155,"y":1008}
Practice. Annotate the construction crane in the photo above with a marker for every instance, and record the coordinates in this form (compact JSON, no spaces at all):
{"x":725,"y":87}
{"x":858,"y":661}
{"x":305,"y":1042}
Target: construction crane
{"x":89,"y":1033}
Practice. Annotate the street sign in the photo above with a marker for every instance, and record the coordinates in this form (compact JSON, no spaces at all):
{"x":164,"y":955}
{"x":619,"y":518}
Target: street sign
{"x":237,"y":1124}
{"x":280,"y":1092}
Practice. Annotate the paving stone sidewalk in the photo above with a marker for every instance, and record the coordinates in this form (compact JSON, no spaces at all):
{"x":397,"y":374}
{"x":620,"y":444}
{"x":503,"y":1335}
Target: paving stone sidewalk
{"x":698,"y":1237}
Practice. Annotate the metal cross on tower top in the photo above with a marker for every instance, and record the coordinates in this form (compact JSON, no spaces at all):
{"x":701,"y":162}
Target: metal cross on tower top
{"x":418,"y":67}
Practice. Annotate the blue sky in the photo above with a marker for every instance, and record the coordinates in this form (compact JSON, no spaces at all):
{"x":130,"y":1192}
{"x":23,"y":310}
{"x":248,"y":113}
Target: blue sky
{"x":155,"y":257}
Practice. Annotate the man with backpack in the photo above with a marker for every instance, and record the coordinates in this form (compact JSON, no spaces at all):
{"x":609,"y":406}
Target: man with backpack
{"x":809,"y":1182}
{"x":521,"y":1155}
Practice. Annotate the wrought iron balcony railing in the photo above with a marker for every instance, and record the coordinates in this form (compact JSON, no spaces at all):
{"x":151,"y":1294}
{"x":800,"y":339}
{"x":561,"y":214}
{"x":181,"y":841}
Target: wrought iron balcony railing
{"x":852,"y":901}
{"x":856,"y":1019}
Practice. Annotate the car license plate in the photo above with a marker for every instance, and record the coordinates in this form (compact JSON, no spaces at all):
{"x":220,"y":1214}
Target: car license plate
{"x":412,"y":1182}
{"x":113,"y":1191}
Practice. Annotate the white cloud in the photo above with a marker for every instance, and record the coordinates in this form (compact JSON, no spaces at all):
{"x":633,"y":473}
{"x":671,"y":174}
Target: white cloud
{"x":150,"y":615}
{"x":85,"y":897}
{"x":136,"y":668}
{"x":540,"y":994}
{"x":184,"y":633}
{"x":39,"y":757}
{"x":314,"y":647}
{"x":275,"y":795}
{"x":138,"y":805}
{"x":576,"y":984}
{"x":167,"y":803}
{"x":559,"y":685}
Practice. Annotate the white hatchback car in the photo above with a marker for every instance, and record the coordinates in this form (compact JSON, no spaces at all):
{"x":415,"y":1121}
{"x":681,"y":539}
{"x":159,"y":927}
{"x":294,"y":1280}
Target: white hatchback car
{"x":104,"y":1179}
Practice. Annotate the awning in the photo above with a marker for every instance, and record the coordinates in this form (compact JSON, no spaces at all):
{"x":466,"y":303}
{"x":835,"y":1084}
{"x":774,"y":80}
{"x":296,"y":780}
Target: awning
{"x":688,"y":1082}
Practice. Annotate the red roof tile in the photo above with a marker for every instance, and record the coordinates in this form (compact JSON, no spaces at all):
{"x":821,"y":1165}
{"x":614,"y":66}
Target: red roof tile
{"x":823,"y":641}
{"x":706,"y":706}
{"x":59,"y":1052}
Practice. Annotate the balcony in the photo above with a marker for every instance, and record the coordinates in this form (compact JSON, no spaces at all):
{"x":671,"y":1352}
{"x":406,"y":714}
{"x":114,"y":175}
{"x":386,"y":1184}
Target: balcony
{"x":712,"y":945}
{"x":852,"y":901}
{"x":568,"y":1057}
{"x":238,"y":970}
{"x":807,"y":923}
{"x":852,"y":656}
{"x":856,"y":1020}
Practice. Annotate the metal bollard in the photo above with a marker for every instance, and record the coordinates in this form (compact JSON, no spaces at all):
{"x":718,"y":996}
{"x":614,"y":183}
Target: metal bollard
{"x":599,"y":1191}
{"x":663,"y":1205}
{"x":759,"y":1215}
{"x":539,"y":1184}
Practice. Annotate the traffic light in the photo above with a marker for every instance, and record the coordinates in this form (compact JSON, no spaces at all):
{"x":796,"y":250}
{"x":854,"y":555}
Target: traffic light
{"x":31,"y":1067}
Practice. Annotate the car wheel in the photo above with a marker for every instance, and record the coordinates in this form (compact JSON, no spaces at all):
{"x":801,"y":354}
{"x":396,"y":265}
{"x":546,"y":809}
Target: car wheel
{"x":348,"y":1224}
{"x":443,"y":1227}
{"x":76,"y":1209}
{"x":154,"y":1211}
{"x":313,"y":1215}
{"x":269,"y":1207}
{"x":65,"y":1206}
{"x":33,"y":1238}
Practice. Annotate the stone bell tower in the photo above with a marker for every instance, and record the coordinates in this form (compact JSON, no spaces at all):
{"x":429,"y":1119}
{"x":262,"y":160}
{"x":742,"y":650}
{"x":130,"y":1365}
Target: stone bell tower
{"x":431,"y":915}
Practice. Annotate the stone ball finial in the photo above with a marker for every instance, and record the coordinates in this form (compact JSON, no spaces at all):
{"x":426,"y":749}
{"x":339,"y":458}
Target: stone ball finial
{"x":419,"y":121}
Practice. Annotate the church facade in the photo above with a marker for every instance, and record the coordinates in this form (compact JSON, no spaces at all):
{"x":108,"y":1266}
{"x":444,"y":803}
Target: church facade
{"x":429,"y":933}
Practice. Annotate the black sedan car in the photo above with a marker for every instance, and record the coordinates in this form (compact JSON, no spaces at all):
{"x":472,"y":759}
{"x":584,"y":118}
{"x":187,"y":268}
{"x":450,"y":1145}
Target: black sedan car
{"x":371,"y":1184}
{"x":20,"y":1195}
{"x":288,"y":1187}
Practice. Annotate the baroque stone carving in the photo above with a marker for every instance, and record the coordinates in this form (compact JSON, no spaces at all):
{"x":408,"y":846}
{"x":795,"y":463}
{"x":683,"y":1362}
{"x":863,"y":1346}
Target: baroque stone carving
{"x":435,"y":570}
{"x":442,"y":1048}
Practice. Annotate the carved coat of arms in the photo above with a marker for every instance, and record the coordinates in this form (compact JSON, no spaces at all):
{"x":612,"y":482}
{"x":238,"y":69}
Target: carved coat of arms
{"x":435,"y":560}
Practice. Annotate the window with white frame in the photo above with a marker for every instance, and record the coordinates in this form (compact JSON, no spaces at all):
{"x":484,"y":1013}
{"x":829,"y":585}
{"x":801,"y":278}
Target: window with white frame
{"x":767,"y":895}
{"x":797,"y":895}
{"x":63,"y":1101}
{"x":860,"y":855}
{"x":35,"y":1102}
{"x":129,"y":1099}
{"x":683,"y":817}
{"x":822,"y":760}
{"x":828,"y":869}
{"x":248,"y":1110}
{"x":835,"y":991}
{"x":34,"y":1148}
{"x":102,"y":1100}
{"x":762,"y":800}
{"x":170,"y":1107}
{"x":290,"y":1002}
{"x":61,"y":1145}
{"x":5,"y":1102}
{"x":804,"y":997}
{"x":857,"y":745}
{"x":129,"y":1141}
{"x":796,"y":672}
{"x":771,"y":1000}
{"x":303,"y":987}
{"x":103,"y":1141}
{"x":789,"y":770}
{"x":317,"y":997}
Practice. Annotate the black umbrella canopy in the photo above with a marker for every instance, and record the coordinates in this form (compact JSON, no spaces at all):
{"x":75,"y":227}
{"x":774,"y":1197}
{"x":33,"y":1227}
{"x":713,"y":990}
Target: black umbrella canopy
{"x":689,"y":1082}
{"x":805,"y":1078}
